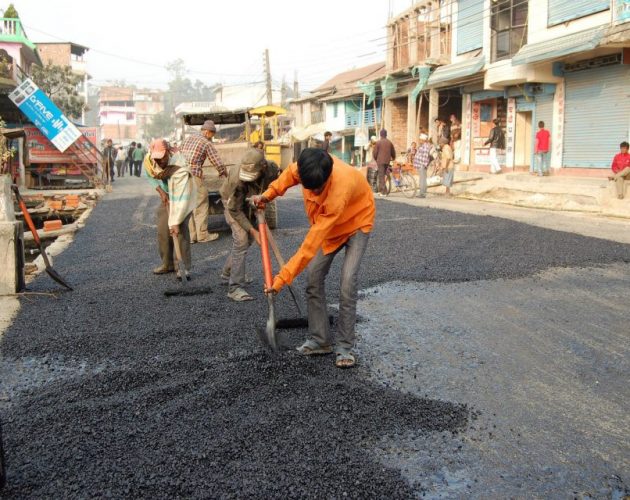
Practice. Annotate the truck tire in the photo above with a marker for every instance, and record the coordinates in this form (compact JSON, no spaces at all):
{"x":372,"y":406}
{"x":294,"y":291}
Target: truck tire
{"x":3,"y":476}
{"x":271,"y":215}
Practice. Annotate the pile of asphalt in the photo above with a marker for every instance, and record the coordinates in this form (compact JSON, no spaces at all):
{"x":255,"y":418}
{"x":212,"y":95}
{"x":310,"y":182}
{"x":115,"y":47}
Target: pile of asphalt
{"x":118,"y":391}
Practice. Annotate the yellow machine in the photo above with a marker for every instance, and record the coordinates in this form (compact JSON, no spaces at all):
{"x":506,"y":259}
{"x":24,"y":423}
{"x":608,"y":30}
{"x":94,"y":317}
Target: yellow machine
{"x":274,"y":149}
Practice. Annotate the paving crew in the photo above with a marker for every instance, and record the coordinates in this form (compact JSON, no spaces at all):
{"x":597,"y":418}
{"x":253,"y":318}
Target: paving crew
{"x":197,"y":148}
{"x":251,"y":178}
{"x":340,"y":207}
{"x":168,"y":172}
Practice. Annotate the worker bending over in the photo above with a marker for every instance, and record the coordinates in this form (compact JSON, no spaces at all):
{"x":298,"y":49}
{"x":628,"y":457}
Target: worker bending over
{"x":340,"y":207}
{"x":251,"y":178}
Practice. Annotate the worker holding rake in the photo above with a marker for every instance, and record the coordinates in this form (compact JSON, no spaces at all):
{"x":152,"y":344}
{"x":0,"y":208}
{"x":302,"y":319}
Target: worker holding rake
{"x":340,"y":207}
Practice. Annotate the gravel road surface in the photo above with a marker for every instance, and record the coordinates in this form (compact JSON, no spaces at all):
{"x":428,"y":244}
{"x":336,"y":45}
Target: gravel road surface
{"x":114,"y":390}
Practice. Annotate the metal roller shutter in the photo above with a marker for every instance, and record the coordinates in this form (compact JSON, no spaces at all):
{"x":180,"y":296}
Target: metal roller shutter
{"x":469,"y":25}
{"x":596,"y":117}
{"x":544,"y":112}
{"x":561,"y":11}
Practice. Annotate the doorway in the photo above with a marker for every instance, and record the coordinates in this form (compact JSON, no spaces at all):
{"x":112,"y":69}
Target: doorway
{"x":523,"y":139}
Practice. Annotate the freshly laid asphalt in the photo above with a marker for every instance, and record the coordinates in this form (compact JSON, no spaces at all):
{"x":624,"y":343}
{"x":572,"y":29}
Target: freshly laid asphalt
{"x":114,"y":390}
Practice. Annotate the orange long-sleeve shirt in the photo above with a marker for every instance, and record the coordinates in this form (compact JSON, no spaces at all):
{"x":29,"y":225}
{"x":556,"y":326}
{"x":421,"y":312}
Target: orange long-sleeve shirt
{"x":345,"y":206}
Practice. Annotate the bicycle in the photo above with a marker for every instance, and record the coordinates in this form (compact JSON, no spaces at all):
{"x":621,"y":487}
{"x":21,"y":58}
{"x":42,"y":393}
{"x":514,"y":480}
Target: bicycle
{"x":400,"y":176}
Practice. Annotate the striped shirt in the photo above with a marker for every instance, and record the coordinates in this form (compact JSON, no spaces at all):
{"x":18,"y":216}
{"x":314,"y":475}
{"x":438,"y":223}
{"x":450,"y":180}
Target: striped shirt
{"x":196,"y":148}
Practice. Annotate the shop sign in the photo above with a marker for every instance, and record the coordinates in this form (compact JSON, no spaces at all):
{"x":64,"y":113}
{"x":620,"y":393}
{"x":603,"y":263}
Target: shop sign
{"x":467,"y":130}
{"x":46,"y":116}
{"x":558,"y":127}
{"x":41,"y":150}
{"x":510,"y":124}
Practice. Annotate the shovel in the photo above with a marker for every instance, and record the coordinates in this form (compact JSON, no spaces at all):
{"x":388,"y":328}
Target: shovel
{"x":268,"y":335}
{"x":29,"y":222}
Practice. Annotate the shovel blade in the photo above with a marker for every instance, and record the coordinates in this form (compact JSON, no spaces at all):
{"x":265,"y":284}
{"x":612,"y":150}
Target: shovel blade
{"x":55,"y":275}
{"x":268,"y":335}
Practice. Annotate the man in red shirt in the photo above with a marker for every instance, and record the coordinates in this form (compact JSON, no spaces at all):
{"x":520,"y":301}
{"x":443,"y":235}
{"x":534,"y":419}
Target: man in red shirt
{"x":541,"y":151}
{"x":621,"y":168}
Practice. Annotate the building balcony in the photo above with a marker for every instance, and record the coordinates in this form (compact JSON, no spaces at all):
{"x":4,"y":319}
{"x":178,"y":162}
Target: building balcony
{"x":357,"y":118}
{"x":11,"y":30}
{"x":78,"y":67}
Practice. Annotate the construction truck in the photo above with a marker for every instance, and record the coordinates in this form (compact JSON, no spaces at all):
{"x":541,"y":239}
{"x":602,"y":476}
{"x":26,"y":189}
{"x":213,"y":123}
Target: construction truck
{"x":238,"y":130}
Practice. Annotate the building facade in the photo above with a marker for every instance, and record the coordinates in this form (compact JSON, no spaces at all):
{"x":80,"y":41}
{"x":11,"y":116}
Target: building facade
{"x":117,"y":114}
{"x":68,"y":54}
{"x":563,"y":62}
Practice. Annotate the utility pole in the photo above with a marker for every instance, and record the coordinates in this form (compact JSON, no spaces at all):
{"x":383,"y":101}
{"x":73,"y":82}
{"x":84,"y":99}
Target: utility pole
{"x":268,"y":78}
{"x":296,"y":88}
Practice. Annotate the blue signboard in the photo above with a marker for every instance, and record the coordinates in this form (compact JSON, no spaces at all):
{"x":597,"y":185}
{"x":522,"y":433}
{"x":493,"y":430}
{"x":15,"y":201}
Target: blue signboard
{"x":44,"y":114}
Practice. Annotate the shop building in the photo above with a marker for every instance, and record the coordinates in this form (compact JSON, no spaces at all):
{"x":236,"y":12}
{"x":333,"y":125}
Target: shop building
{"x":563,"y":62}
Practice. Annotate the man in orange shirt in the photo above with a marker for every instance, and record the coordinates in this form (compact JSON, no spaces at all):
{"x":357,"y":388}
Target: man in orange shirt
{"x":340,"y":207}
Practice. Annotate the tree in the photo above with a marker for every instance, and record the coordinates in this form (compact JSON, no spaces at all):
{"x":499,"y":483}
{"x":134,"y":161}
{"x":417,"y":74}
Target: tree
{"x":61,"y":85}
{"x":162,"y":125}
{"x":183,"y":89}
{"x":11,"y":12}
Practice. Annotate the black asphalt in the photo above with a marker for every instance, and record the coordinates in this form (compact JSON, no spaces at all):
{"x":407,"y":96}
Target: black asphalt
{"x":118,"y":391}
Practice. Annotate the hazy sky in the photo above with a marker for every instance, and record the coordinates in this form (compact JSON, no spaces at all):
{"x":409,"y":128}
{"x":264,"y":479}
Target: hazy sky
{"x":219,"y":41}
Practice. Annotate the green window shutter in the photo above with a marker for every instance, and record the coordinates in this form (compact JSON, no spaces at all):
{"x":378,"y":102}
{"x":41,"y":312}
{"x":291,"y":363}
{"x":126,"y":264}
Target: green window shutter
{"x":469,"y":25}
{"x":560,"y":11}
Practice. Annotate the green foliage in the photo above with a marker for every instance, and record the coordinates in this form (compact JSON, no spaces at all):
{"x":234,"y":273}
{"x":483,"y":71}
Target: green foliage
{"x":10,"y":12}
{"x":162,"y":125}
{"x":6,"y":153}
{"x":61,"y":85}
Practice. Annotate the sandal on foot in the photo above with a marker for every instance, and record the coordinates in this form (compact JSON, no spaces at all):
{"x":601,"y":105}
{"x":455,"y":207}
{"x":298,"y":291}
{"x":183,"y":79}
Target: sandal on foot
{"x":345,"y":360}
{"x":239,"y":295}
{"x":312,"y":348}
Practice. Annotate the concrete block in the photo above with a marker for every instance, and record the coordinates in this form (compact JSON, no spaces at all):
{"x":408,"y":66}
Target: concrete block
{"x":7,"y":212}
{"x":11,"y":257}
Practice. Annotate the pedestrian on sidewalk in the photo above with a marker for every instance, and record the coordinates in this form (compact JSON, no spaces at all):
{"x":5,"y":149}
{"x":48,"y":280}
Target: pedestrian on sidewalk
{"x":541,"y":150}
{"x":197,"y":148}
{"x":327,"y":139}
{"x":496,"y":140}
{"x":109,"y":154}
{"x":121,"y":156}
{"x":421,"y":162}
{"x":138,"y":156}
{"x":370,"y":163}
{"x":340,"y":207}
{"x":250,"y":178}
{"x":383,"y":153}
{"x":621,"y":168}
{"x":170,"y":175}
{"x":130,"y":150}
{"x":447,"y":166}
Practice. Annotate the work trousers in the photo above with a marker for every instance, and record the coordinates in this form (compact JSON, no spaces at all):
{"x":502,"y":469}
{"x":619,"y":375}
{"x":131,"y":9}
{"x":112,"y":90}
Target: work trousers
{"x":316,"y":293}
{"x":199,"y":219}
{"x":542,"y":162}
{"x":620,"y":177}
{"x":371,"y":178}
{"x":495,"y":167}
{"x":120,"y":168}
{"x":137,"y":168}
{"x":422,"y":172}
{"x":382,"y":170}
{"x":235,"y":264}
{"x":165,"y":241}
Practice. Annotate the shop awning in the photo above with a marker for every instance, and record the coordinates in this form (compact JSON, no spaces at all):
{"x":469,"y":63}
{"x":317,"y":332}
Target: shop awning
{"x":456,"y":71}
{"x":559,"y":47}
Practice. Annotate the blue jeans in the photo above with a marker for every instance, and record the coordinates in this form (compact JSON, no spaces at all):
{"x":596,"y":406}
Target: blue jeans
{"x":542,"y":162}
